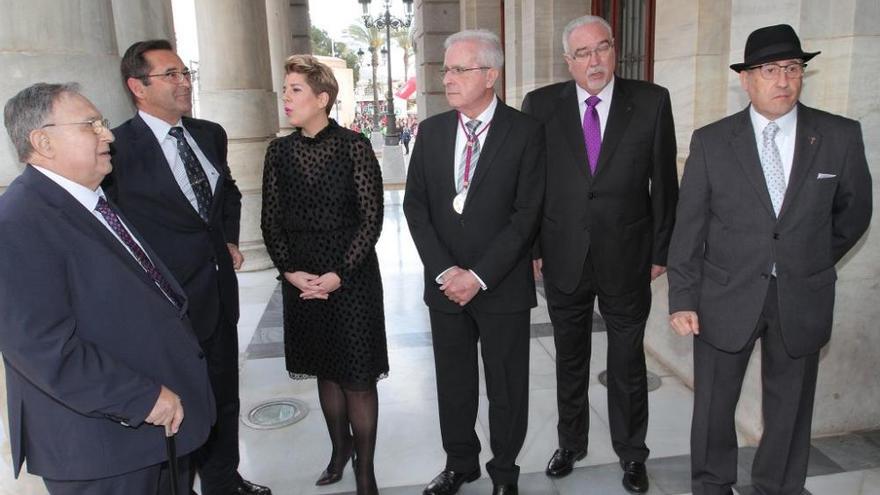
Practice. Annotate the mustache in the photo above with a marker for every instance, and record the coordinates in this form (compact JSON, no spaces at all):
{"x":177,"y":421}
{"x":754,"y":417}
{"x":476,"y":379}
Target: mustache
{"x":596,"y":70}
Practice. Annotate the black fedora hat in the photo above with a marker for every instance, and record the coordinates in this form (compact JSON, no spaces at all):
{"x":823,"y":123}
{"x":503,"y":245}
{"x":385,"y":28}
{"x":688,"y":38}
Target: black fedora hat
{"x":772,"y":43}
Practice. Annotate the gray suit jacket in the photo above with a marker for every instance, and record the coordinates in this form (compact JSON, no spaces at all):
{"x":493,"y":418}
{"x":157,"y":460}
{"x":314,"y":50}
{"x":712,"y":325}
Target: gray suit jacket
{"x":726,"y":236}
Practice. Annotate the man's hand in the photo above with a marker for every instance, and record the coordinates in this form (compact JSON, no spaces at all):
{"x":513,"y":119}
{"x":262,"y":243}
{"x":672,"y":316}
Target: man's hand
{"x":685,"y":323}
{"x":167,"y":412}
{"x":450,"y":273}
{"x":461,"y":288}
{"x":305,"y":282}
{"x":237,"y":257}
{"x":656,"y":271}
{"x":537,"y":268}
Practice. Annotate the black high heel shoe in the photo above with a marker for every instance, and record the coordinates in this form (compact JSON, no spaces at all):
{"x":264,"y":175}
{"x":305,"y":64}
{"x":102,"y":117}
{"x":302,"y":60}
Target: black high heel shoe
{"x":328,"y":477}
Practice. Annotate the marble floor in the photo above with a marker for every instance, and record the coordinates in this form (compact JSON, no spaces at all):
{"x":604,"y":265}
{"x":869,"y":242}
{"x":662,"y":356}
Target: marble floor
{"x":409,"y":451}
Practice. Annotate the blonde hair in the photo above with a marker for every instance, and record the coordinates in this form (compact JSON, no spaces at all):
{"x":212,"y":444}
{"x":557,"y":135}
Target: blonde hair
{"x":319,"y":76}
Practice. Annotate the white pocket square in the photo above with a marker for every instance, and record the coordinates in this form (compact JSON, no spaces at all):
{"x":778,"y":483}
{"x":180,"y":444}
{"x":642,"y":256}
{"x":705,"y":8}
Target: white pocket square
{"x":826,"y":176}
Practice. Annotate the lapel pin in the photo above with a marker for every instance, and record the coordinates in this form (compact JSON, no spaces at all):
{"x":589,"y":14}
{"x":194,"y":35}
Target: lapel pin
{"x":812,"y":139}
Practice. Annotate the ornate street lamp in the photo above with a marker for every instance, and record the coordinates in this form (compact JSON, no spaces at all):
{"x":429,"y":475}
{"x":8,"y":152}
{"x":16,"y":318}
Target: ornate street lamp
{"x":388,"y":22}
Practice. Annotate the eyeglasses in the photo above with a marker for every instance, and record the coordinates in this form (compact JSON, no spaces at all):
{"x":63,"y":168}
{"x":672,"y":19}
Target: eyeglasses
{"x":457,"y":71}
{"x":174,"y":76}
{"x":98,"y":125}
{"x":772,"y":71}
{"x":585,"y":53}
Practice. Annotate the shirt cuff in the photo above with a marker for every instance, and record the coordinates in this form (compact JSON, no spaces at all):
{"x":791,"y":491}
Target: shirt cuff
{"x":439,"y":278}
{"x":482,"y":284}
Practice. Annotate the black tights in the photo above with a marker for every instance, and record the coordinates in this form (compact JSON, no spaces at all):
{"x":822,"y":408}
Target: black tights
{"x":351,"y":417}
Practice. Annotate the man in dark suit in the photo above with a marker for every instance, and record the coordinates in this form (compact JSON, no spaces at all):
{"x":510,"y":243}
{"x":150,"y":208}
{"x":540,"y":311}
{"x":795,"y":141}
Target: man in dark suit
{"x":608,"y":214}
{"x":473,"y":197}
{"x":171,"y":179}
{"x":772,"y":197}
{"x":93,"y":327}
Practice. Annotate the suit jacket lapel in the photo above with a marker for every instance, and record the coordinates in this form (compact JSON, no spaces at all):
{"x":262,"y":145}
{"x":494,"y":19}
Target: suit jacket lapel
{"x":746,"y":150}
{"x":494,"y":139}
{"x":806,"y":145}
{"x":446,"y":152}
{"x":618,"y":119}
{"x":569,"y":120}
{"x":152,"y":159}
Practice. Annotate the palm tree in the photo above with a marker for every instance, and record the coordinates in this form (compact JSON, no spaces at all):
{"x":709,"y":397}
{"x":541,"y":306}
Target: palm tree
{"x":404,"y":42}
{"x":374,"y":41}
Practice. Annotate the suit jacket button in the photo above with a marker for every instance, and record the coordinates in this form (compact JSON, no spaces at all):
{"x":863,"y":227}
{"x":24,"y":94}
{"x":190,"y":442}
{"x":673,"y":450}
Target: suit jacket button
{"x":209,"y":228}
{"x":776,"y":235}
{"x":201,"y":355}
{"x":592,"y":195}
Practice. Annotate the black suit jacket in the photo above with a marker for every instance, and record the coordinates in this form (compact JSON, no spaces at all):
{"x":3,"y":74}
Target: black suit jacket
{"x":144,"y":187}
{"x":622,"y":216}
{"x":87,"y":339}
{"x":727,"y":235}
{"x":494,"y":234}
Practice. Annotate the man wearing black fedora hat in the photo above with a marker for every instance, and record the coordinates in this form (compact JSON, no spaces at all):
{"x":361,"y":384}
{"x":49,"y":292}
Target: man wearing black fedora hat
{"x":771,"y":199}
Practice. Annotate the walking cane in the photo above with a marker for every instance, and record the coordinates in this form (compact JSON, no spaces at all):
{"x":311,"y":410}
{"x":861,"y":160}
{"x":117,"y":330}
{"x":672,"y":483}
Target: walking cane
{"x":171,"y":448}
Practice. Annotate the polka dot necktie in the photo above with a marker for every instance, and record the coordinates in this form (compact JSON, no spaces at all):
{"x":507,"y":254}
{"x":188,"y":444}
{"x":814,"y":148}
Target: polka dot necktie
{"x":592,"y":133}
{"x":115,"y":224}
{"x":771,"y":162}
{"x":195,"y":173}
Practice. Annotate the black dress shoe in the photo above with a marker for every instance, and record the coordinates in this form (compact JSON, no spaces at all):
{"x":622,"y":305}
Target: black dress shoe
{"x":505,"y":490}
{"x":448,"y":482}
{"x":245,"y":487}
{"x":635,"y":476}
{"x":329,"y":476}
{"x":563,"y":461}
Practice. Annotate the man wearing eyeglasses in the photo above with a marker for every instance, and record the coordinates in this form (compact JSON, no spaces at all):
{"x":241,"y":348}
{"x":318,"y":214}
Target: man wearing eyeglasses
{"x":771,"y":199}
{"x":172,"y":181}
{"x":608,"y":214}
{"x":97,"y":347}
{"x":473,"y":199}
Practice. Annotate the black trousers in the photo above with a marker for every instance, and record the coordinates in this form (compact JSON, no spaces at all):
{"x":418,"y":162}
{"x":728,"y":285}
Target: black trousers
{"x":625,"y":317}
{"x":217,"y":460}
{"x":504,"y":345}
{"x":788,"y":390}
{"x":152,"y":480}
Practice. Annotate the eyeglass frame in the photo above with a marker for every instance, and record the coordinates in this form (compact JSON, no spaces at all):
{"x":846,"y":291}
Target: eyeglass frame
{"x":174,"y":76}
{"x":98,"y":125}
{"x":458,"y":71}
{"x":599,"y":50}
{"x":784,"y":69}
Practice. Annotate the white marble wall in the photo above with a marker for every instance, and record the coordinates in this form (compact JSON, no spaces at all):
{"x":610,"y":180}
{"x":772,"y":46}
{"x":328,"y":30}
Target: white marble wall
{"x":434,"y":21}
{"x":695,"y":41}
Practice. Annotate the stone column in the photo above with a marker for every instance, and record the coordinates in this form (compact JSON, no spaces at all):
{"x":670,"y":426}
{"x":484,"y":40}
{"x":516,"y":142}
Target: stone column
{"x":288,"y":23}
{"x":434,"y":21}
{"x":541,"y":25}
{"x":513,"y":54}
{"x":486,"y":14}
{"x":235,"y":90}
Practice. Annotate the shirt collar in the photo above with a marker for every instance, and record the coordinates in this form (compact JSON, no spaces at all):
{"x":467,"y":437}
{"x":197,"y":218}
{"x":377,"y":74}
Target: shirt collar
{"x":486,"y":116}
{"x":787,"y":123}
{"x":159,"y":127}
{"x":604,"y":95}
{"x":84,"y":195}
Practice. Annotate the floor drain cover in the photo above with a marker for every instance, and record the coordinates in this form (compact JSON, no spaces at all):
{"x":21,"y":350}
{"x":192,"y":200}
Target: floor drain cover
{"x":654,"y":381}
{"x":276,"y":413}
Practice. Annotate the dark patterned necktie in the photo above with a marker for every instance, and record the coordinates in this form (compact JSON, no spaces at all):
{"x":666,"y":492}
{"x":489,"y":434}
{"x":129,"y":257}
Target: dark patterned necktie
{"x":113,"y":221}
{"x":195,"y":173}
{"x":472,"y":137}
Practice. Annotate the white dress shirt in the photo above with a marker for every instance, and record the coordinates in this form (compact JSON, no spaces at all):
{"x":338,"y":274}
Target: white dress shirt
{"x":784,"y":137}
{"x":168,"y":143}
{"x":602,"y":108}
{"x":89,"y":200}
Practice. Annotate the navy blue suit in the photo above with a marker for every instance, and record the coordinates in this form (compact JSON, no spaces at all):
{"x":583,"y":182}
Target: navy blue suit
{"x":88,"y":339}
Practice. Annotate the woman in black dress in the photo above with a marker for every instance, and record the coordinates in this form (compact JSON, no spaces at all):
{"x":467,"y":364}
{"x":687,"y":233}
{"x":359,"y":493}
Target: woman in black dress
{"x":322,"y":215}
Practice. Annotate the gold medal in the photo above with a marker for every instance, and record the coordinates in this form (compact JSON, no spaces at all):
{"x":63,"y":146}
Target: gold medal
{"x":458,"y":201}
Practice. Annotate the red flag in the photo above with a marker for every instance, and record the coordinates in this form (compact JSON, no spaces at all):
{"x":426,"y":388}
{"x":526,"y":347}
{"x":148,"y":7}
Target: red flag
{"x":407,"y":89}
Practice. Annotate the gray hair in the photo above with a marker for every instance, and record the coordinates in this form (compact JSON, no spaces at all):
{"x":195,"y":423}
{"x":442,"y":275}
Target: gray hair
{"x":491,"y":54}
{"x":583,"y":21}
{"x":29,"y":110}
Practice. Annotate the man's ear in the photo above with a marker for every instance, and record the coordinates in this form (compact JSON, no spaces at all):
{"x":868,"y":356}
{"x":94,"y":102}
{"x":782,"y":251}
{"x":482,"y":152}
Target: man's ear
{"x":492,"y":76}
{"x":40,"y":143}
{"x":136,"y":86}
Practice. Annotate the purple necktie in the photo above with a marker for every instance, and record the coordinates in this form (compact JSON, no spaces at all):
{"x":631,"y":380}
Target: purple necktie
{"x":113,"y":221}
{"x":592,"y":133}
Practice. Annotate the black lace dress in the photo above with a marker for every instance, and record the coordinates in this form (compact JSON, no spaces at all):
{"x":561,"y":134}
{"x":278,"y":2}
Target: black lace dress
{"x":322,"y":212}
